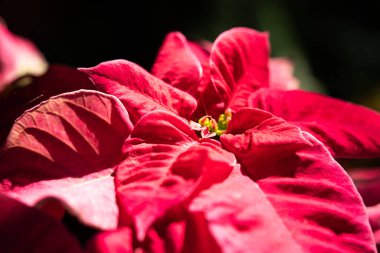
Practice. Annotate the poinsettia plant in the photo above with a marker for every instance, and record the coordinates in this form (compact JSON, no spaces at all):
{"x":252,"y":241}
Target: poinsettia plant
{"x":215,"y":150}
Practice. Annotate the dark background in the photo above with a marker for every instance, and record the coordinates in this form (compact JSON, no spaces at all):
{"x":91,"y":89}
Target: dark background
{"x":336,"y":47}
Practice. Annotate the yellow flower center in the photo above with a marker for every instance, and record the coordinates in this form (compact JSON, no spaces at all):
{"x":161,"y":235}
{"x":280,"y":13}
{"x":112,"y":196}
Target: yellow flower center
{"x":218,"y":127}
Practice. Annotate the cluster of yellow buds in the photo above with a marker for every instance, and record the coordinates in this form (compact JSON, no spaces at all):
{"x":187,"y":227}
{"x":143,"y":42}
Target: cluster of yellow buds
{"x":218,"y":127}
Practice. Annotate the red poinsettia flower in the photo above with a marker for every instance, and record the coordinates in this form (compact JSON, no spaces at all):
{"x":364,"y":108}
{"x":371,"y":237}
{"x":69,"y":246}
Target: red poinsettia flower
{"x":131,"y":161}
{"x":347,"y":130}
{"x":230,"y":67}
{"x":18,"y":57}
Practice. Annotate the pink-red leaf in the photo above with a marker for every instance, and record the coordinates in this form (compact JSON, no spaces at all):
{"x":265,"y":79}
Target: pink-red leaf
{"x":117,"y":241}
{"x":374,"y":220}
{"x":18,"y":57}
{"x":312,"y":194}
{"x":185,"y":65}
{"x":239,"y":65}
{"x":240,"y":219}
{"x":177,"y":65}
{"x":347,"y":130}
{"x":68,"y":146}
{"x":166,"y":237}
{"x":367,"y":181}
{"x":166,"y":166}
{"x":139,"y":91}
{"x":25,"y":229}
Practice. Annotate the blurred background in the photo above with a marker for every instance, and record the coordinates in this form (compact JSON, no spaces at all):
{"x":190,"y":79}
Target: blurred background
{"x":335,"y":47}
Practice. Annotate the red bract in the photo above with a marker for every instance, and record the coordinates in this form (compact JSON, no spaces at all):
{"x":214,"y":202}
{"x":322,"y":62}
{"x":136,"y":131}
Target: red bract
{"x":236,"y":66}
{"x":227,"y":71}
{"x":68,"y":146}
{"x":263,"y":185}
{"x":367,"y":181}
{"x":138,"y":91}
{"x":181,"y":63}
{"x":300,"y":178}
{"x":18,"y":57}
{"x":347,"y":130}
{"x":352,"y":133}
{"x":374,"y":219}
{"x":239,"y":65}
{"x":167,"y":166}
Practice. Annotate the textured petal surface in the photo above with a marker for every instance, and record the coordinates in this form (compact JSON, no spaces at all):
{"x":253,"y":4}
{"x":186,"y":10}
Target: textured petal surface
{"x":118,"y":241}
{"x":166,"y":237}
{"x":240,"y":219}
{"x":374,"y":219}
{"x":239,"y":65}
{"x":68,"y":145}
{"x":18,"y":57}
{"x":25,"y":229}
{"x":201,"y":50}
{"x":165,"y":167}
{"x":312,"y":194}
{"x":347,"y":130}
{"x":208,"y":98}
{"x":18,"y":98}
{"x":367,"y":181}
{"x":186,"y":65}
{"x":139,"y":91}
{"x":281,"y":74}
{"x":176,"y":64}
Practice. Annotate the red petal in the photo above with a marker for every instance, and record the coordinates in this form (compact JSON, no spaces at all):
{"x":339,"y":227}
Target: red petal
{"x":281,"y":74}
{"x":374,"y":219}
{"x":166,"y":166}
{"x":67,"y":145}
{"x":18,"y":57}
{"x":177,"y":65}
{"x":208,"y":99}
{"x":201,"y":50}
{"x":240,"y":219}
{"x":309,"y":190}
{"x":164,"y":238}
{"x":161,"y":239}
{"x":367,"y":181}
{"x":139,"y":91}
{"x":119,"y":241}
{"x":25,"y":229}
{"x":239,"y":65}
{"x":185,"y":65}
{"x":347,"y":130}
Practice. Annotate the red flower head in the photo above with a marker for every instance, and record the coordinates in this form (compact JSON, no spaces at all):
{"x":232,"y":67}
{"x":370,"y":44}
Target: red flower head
{"x":266,"y":181}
